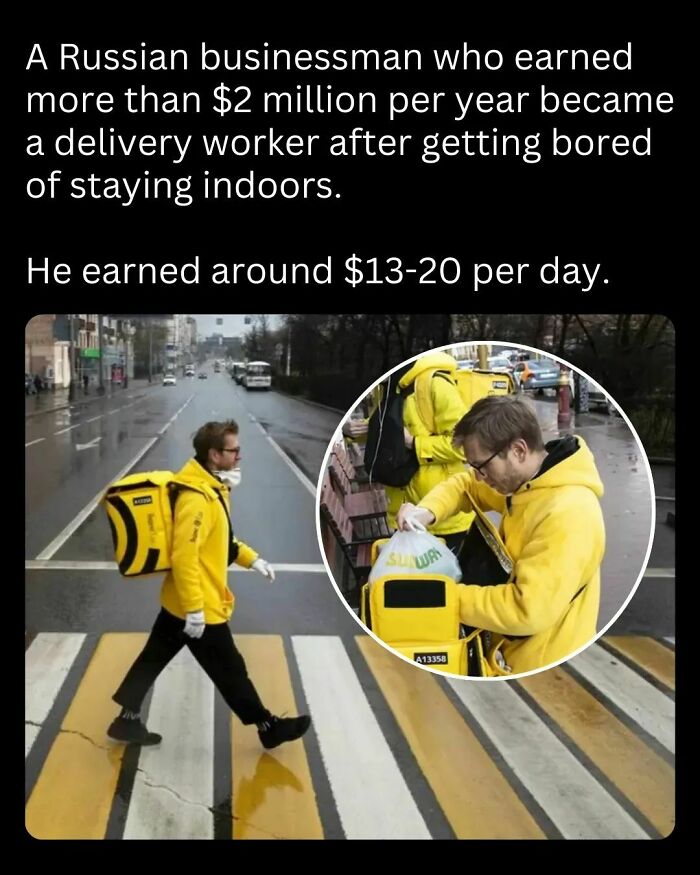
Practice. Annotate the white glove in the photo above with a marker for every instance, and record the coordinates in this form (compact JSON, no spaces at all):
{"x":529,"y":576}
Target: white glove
{"x":194,"y":624}
{"x":414,"y":519}
{"x":264,"y":568}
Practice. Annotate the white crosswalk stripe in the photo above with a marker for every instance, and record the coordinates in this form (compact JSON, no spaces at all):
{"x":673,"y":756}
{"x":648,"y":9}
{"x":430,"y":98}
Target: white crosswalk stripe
{"x":173,"y":789}
{"x":361,"y":768}
{"x":647,"y":706}
{"x":47,"y":663}
{"x":577,"y":804}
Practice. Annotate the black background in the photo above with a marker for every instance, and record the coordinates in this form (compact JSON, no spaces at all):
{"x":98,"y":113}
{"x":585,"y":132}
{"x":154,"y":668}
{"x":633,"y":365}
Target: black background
{"x":633,"y":215}
{"x":624,"y":212}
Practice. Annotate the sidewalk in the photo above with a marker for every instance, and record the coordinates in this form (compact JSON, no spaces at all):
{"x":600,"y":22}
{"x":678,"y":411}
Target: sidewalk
{"x":46,"y":402}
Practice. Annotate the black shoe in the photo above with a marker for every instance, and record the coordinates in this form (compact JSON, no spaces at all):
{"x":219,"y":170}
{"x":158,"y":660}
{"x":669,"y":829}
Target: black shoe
{"x":132,"y":732}
{"x":284,"y":729}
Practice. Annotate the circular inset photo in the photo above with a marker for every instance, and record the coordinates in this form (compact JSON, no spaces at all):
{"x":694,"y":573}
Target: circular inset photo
{"x":486,"y":510}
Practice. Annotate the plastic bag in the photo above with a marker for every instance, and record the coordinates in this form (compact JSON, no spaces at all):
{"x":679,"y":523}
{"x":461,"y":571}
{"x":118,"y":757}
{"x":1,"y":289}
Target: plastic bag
{"x":415,"y":553}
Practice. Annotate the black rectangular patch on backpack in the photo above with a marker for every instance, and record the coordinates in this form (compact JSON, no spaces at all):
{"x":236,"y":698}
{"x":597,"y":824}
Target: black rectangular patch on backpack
{"x":387,"y":458}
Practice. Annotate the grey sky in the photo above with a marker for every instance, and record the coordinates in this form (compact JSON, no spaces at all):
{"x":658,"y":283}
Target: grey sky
{"x":234,"y":325}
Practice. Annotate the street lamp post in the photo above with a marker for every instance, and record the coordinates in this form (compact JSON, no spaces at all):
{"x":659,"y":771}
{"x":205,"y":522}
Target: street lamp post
{"x":150,"y":350}
{"x":289,"y":349}
{"x":101,"y":387}
{"x":71,"y":360}
{"x":126,"y":353}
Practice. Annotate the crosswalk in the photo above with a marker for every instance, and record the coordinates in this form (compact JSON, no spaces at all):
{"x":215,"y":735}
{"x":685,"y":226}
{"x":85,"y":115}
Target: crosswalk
{"x":584,"y":750}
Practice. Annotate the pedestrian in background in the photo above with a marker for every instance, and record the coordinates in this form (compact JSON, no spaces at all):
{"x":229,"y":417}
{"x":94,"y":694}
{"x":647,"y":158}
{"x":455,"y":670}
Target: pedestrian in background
{"x":196,"y":601}
{"x":437,"y":458}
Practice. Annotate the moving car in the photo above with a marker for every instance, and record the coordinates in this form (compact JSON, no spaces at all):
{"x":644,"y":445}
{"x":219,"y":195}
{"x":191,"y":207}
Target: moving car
{"x":202,"y":375}
{"x":169,"y":380}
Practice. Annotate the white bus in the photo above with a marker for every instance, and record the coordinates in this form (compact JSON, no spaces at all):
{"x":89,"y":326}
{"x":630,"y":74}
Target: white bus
{"x":258,"y":375}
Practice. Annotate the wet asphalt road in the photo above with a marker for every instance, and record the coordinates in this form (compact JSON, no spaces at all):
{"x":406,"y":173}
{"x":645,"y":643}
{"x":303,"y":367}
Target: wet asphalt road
{"x":78,"y":452}
{"x":83,"y":450}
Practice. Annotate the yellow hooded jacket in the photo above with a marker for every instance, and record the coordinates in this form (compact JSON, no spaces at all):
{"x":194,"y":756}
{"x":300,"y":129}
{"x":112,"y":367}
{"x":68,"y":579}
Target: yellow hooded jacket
{"x":553,"y":529}
{"x":437,"y":458}
{"x":200,"y":554}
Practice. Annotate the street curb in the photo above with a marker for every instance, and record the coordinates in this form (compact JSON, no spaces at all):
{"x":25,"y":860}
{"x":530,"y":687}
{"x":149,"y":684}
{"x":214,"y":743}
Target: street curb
{"x":82,"y":403}
{"x":312,"y":403}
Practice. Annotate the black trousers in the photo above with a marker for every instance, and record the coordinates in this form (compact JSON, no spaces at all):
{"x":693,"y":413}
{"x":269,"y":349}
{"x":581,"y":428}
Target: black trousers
{"x":214,"y":651}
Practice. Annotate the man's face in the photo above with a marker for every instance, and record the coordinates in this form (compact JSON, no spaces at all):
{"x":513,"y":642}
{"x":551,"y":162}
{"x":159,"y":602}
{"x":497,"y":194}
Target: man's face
{"x":505,"y":471}
{"x":228,"y":456}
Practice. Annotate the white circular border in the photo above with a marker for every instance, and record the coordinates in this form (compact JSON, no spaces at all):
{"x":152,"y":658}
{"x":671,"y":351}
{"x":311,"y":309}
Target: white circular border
{"x":325,"y":465}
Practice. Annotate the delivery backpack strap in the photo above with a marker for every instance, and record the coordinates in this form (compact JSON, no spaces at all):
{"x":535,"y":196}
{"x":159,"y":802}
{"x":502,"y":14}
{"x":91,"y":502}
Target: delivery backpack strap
{"x":232,"y":542}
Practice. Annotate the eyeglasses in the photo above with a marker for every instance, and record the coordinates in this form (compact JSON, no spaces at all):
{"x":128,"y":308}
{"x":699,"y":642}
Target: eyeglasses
{"x":235,"y":450}
{"x":479,"y":466}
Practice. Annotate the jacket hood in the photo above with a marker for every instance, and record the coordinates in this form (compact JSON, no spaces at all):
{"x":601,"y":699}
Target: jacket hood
{"x":196,"y":474}
{"x":436,"y":360}
{"x":569,"y":462}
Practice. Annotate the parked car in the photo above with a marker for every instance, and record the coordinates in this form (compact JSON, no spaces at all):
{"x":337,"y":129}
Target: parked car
{"x":598,"y":399}
{"x":499,"y":364}
{"x":537,"y":374}
{"x":170,"y":380}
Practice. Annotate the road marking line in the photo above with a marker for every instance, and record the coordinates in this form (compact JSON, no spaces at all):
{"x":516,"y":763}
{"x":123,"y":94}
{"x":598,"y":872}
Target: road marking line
{"x":634,"y":696}
{"x":90,"y":445}
{"x":69,"y":530}
{"x":432,"y":726}
{"x":175,"y":416}
{"x":641,"y":775}
{"x":73,"y":795}
{"x":575,"y":802}
{"x":290,"y":464}
{"x":173,"y":789}
{"x":46,"y":665}
{"x":91,"y":565}
{"x":273,"y":794}
{"x":64,"y":430}
{"x":112,"y":412}
{"x":63,"y":536}
{"x":648,"y":654}
{"x":34,"y":442}
{"x":660,"y":572}
{"x":94,"y":418}
{"x":370,"y":793}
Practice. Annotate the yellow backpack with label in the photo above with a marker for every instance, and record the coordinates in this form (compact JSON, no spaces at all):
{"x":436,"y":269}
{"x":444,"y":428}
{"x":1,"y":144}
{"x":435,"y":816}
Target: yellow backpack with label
{"x":140,"y":512}
{"x":472,"y":386}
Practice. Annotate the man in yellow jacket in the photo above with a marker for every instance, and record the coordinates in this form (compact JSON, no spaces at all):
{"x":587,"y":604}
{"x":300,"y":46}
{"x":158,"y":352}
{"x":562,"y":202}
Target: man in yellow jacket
{"x":196,"y":601}
{"x":551,"y":525}
{"x":432,"y":443}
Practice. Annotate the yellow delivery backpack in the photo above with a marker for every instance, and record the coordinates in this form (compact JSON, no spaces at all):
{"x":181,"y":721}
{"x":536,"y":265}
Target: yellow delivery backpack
{"x":418,"y":616}
{"x":472,"y":386}
{"x":140,"y":512}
